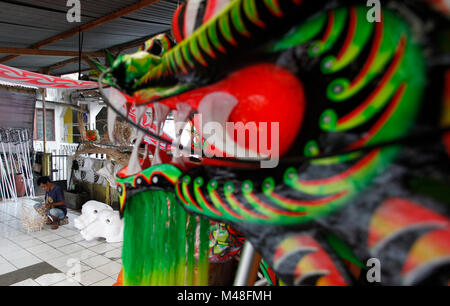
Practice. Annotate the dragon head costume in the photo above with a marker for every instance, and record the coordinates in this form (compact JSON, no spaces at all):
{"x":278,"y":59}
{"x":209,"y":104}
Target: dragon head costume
{"x":312,"y":131}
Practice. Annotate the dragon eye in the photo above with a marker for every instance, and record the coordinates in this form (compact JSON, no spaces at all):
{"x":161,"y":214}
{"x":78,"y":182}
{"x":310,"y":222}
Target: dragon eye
{"x":95,"y":211}
{"x":108,"y":221}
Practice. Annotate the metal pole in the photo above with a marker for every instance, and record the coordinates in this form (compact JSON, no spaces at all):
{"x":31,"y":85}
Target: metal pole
{"x":8,"y":172}
{"x":3,"y":186}
{"x":11,"y":153}
{"x":13,"y":166}
{"x":6,"y":166}
{"x":24,"y":162}
{"x":44,"y":114}
{"x":23,"y":150}
{"x":28,"y":155}
{"x":248,"y":266}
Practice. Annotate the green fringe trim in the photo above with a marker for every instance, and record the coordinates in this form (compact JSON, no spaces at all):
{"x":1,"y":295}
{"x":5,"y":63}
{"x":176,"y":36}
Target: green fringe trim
{"x":160,"y":241}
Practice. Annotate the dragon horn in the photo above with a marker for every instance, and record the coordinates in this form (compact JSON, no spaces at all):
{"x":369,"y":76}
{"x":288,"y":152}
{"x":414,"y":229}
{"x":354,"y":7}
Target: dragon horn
{"x":97,"y":64}
{"x":110,"y":58}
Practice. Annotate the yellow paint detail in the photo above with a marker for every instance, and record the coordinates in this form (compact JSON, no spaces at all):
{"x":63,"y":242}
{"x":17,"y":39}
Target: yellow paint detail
{"x":69,"y":123}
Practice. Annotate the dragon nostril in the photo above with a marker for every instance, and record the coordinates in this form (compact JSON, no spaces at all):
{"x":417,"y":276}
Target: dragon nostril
{"x":156,"y":48}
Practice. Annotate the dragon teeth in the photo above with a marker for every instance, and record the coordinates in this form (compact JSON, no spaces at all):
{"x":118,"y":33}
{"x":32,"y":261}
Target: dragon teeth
{"x":216,"y":107}
{"x":161,"y":112}
{"x":118,"y":101}
{"x":134,"y":166}
{"x":182,"y":114}
{"x":112,"y":116}
{"x":140,"y":111}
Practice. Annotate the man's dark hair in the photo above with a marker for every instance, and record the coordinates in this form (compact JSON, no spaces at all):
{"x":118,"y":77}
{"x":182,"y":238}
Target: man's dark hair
{"x":43,"y":180}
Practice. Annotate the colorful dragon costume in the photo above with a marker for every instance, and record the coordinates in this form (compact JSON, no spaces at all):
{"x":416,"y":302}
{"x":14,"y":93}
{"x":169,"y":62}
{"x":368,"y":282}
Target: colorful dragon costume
{"x":356,"y":168}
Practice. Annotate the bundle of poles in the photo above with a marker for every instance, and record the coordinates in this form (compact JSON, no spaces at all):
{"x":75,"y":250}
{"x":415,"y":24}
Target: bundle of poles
{"x":15,"y":162}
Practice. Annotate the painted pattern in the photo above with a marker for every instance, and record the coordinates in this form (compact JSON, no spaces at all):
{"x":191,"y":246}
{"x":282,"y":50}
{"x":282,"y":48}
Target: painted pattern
{"x":363,"y":84}
{"x":15,"y":75}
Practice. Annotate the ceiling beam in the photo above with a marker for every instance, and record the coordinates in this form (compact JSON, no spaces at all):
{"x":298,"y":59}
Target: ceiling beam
{"x":97,"y":22}
{"x":38,"y":52}
{"x":62,"y":64}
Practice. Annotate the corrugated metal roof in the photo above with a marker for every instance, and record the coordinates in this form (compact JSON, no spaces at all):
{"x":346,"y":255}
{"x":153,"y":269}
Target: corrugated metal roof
{"x":33,"y":63}
{"x":27,"y":22}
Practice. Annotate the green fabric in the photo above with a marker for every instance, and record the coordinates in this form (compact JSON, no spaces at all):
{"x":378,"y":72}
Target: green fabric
{"x":160,"y":241}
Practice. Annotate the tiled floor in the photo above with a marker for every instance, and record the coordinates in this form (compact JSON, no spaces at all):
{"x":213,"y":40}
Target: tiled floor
{"x":72,"y":260}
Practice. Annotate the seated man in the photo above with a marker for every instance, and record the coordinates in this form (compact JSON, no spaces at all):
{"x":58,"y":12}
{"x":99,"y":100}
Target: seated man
{"x":55,"y":205}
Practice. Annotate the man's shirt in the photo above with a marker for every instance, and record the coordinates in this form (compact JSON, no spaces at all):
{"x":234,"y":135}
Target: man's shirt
{"x":56,"y":195}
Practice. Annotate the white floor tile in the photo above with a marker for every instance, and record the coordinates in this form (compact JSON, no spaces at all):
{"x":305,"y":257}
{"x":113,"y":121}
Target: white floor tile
{"x":29,"y":243}
{"x":116,"y":253}
{"x":17,"y":254}
{"x":48,"y":255}
{"x":16,"y":225}
{"x":59,"y":261}
{"x":102,"y":248}
{"x":28,"y":282}
{"x":67,"y":283}
{"x":89,"y":244}
{"x":97,"y":261}
{"x":42,"y":233}
{"x":116,"y":244}
{"x":49,"y":238}
{"x":40,"y":248}
{"x":6,"y":268}
{"x":76,"y":238}
{"x":92,"y":276}
{"x":50,"y":279}
{"x":71,"y":248}
{"x":85,"y":254}
{"x":106,"y":282}
{"x":9,"y":249}
{"x":71,"y":226}
{"x":5,"y":242}
{"x":60,"y":242}
{"x":63,"y":232}
{"x":22,"y":237}
{"x":25,"y":261}
{"x":110,"y":268}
